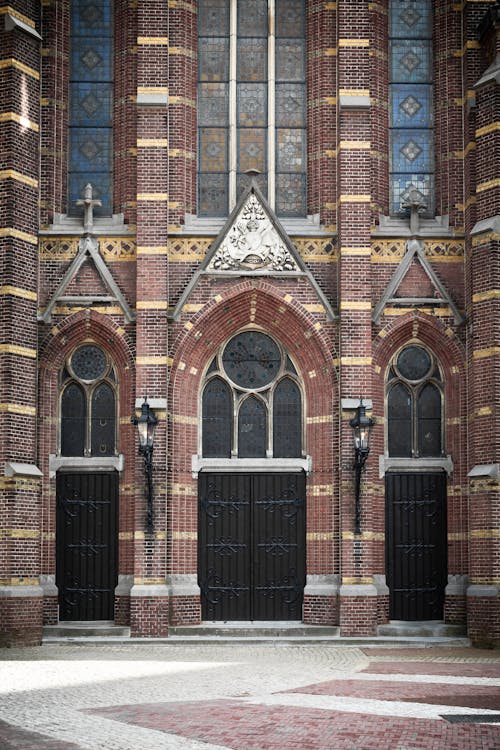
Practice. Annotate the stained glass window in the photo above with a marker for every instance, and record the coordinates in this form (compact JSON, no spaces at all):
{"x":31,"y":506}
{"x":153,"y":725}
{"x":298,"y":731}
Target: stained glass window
{"x":411,"y":105}
{"x":414,"y":405}
{"x":252,"y":429}
{"x":91,"y":96}
{"x":253,"y":378}
{"x":287,"y":420}
{"x":217,"y":419}
{"x":88,"y":404}
{"x":271,"y":141}
{"x":72,"y":421}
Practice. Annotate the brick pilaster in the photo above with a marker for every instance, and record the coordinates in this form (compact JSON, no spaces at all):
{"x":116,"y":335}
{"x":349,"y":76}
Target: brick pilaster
{"x":149,"y":599}
{"x":357,"y":594}
{"x":20,"y":593}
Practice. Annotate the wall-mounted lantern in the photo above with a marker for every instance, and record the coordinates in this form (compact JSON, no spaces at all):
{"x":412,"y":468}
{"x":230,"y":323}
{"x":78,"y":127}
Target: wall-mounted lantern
{"x":361,"y":428}
{"x":146,"y":424}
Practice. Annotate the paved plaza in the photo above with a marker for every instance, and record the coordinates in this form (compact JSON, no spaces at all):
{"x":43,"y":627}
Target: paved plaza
{"x":248,"y":696}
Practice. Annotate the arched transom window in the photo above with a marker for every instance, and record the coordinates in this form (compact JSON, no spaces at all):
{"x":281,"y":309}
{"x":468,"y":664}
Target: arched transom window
{"x":88,"y":404}
{"x":251,"y":401}
{"x":414,"y":405}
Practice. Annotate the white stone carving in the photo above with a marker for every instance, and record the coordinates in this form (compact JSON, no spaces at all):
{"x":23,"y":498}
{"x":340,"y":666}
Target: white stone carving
{"x":252,"y":243}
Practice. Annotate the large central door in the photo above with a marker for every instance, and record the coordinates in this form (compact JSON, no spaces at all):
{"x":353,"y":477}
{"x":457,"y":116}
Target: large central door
{"x":416,"y":544}
{"x":87,"y":534}
{"x":251,"y":557}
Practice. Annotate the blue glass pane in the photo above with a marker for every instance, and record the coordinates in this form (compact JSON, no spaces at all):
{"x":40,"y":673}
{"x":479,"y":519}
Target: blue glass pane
{"x":403,"y":183}
{"x":91,"y":17}
{"x":290,"y":150}
{"x":290,"y":18}
{"x":411,"y":61}
{"x":411,"y":20}
{"x":411,"y":151}
{"x":290,"y":60}
{"x":290,"y":105}
{"x":213,"y":17}
{"x":101,"y":189}
{"x":91,"y":59}
{"x":291,"y":194}
{"x":91,"y":104}
{"x":252,"y":18}
{"x":213,"y":104}
{"x":90,"y":150}
{"x":411,"y":105}
{"x":212,"y":194}
{"x":213,"y":59}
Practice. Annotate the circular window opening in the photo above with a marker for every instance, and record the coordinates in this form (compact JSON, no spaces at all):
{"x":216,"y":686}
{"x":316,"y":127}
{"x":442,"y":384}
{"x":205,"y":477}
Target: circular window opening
{"x":251,"y":360}
{"x":89,"y":362}
{"x":414,"y":363}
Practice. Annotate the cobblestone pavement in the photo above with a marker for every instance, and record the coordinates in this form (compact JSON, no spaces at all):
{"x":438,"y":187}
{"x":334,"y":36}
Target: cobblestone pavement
{"x":248,"y":697}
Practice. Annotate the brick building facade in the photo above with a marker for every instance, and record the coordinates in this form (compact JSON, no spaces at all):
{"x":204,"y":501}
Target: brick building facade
{"x":363,"y":251}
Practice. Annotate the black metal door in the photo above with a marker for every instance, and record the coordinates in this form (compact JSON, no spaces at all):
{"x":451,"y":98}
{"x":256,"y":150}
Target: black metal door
{"x":416,"y":545}
{"x":87,"y":545}
{"x":251,"y":552}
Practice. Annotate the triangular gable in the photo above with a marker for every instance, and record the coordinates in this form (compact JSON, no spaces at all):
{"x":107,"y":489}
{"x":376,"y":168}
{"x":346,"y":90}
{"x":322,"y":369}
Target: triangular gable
{"x":88,"y":246}
{"x":415,"y":250}
{"x":253,"y":243}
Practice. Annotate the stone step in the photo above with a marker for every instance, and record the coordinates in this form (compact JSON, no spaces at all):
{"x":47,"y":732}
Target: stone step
{"x":92,"y":629}
{"x":425,"y":629}
{"x":255,"y":630}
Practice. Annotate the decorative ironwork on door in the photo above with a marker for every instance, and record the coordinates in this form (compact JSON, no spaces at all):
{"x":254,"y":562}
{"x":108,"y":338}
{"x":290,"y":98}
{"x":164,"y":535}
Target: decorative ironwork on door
{"x":87,"y":549}
{"x":416,"y":545}
{"x":252,"y":546}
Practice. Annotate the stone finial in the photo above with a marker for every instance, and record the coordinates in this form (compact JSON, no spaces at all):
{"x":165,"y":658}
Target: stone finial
{"x":88,"y":204}
{"x":416,"y":204}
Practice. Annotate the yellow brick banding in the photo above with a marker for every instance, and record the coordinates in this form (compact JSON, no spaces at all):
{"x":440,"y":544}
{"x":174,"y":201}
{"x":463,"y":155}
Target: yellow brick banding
{"x":352,"y":145}
{"x":491,"y":351}
{"x":153,"y":360}
{"x":351,"y":581}
{"x":18,"y":235}
{"x":19,"y":581}
{"x":486,"y":129}
{"x":152,"y":196}
{"x":9,"y":408}
{"x":150,"y":250}
{"x":21,"y":351}
{"x":152,"y":142}
{"x":355,"y":305}
{"x":152,"y":90}
{"x":156,"y":40}
{"x":11,"y":62}
{"x":320,"y":419}
{"x":152,"y":304}
{"x":13,"y":12}
{"x":377,"y":536}
{"x":15,"y":291}
{"x":356,"y":251}
{"x":346,"y":198}
{"x":488,"y":185}
{"x":356,"y":360}
{"x":13,"y":174}
{"x":319,"y":536}
{"x":20,"y":120}
{"x":354,"y":43}
{"x":491,"y":294}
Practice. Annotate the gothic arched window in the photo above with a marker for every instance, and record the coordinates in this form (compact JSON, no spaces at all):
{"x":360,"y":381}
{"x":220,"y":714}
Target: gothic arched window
{"x":251,"y":103}
{"x":414,"y":405}
{"x":251,"y":401}
{"x":88,"y":404}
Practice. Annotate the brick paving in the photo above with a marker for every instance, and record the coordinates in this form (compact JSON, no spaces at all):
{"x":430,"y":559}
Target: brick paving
{"x":246,"y":697}
{"x":254,"y":727}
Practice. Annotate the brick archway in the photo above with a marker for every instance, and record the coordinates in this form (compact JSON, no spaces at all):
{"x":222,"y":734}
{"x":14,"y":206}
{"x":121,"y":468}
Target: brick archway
{"x":83,"y":326}
{"x":417,"y":327}
{"x":261,"y":305}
